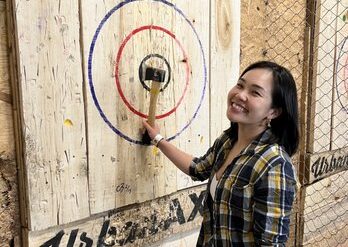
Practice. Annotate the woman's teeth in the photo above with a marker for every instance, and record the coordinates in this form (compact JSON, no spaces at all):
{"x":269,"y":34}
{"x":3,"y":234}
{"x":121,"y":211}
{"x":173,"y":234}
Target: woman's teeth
{"x":238,"y":107}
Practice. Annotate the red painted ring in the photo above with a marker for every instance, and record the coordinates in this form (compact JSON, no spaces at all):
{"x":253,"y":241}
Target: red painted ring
{"x":117,"y":79}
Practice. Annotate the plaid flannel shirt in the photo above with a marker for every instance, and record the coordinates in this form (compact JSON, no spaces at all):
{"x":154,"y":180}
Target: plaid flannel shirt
{"x":253,"y":198}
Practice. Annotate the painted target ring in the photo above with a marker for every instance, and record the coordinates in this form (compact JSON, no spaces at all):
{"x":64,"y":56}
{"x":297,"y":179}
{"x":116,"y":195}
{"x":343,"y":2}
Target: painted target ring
{"x":342,"y":75}
{"x":92,"y":81}
{"x":117,"y":79}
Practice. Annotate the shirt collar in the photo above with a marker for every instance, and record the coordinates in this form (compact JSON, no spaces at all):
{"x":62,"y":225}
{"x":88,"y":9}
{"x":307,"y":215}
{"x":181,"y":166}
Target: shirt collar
{"x":265,"y":138}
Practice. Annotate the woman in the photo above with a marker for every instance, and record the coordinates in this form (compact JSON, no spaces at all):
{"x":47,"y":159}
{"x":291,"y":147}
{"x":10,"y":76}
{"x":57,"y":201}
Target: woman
{"x":251,"y":180}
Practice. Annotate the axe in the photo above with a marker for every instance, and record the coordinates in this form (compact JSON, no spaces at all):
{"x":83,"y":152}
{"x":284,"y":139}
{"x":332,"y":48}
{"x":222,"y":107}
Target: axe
{"x":156,"y":76}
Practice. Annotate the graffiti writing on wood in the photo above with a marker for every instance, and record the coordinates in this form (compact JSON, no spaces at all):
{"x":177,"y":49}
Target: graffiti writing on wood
{"x":124,"y":188}
{"x":327,"y":165}
{"x":132,"y":230}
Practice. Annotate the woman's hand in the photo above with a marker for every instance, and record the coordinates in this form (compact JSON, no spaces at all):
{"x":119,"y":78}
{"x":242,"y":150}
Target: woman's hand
{"x":153,"y":131}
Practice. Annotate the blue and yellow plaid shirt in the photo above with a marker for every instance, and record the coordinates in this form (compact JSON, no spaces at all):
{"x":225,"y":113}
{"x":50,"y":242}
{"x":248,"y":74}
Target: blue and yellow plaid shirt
{"x":254,"y":196}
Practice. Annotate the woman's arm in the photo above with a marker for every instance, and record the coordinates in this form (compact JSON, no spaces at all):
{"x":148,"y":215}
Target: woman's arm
{"x":181,"y":159}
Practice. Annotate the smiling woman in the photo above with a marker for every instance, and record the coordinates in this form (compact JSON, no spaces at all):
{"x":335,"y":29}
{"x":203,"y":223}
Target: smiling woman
{"x":251,"y":179}
{"x":249,"y":102}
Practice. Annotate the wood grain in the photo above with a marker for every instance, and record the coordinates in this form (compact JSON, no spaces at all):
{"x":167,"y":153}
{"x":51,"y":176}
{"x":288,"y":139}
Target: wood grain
{"x":225,"y":60}
{"x":140,"y":225}
{"x":51,"y":95}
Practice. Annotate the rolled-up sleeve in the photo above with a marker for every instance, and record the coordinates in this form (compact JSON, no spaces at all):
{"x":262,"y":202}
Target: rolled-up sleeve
{"x":274,"y":194}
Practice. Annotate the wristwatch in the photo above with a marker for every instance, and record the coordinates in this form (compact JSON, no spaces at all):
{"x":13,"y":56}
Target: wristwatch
{"x":155,"y":141}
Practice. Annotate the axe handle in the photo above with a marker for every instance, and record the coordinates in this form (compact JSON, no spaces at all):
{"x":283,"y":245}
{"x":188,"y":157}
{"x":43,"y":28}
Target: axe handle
{"x":155,"y":89}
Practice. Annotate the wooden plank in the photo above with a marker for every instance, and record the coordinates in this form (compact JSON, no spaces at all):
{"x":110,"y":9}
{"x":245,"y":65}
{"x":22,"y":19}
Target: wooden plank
{"x":340,"y":90}
{"x":116,"y":40}
{"x":102,"y":146}
{"x":22,"y":180}
{"x":9,"y":210}
{"x":302,"y":168}
{"x":186,"y":239}
{"x":327,"y":163}
{"x":51,"y":96}
{"x":6,"y":117}
{"x":141,"y":225}
{"x":196,"y":138}
{"x":320,"y":129}
{"x":225,"y":45}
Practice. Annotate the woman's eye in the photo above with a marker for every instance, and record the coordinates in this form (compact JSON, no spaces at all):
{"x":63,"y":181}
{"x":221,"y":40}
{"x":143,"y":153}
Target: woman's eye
{"x":239,"y":85}
{"x":256,"y":93}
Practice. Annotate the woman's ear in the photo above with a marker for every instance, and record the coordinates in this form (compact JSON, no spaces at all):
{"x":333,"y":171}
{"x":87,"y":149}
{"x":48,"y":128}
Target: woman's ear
{"x":276,"y":112}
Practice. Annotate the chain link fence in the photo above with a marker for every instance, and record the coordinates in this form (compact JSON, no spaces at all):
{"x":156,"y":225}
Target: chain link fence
{"x":311,"y":39}
{"x":325,"y":201}
{"x":285,"y":44}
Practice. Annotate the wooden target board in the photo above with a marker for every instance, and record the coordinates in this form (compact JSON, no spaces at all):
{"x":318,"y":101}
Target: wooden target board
{"x":324,"y":71}
{"x":329,"y":112}
{"x":84,"y":97}
{"x":340,"y":107}
{"x":329,"y":141}
{"x":123,"y":169}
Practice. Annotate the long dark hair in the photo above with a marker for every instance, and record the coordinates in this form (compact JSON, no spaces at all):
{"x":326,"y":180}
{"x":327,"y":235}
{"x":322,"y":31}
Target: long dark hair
{"x":284,"y":96}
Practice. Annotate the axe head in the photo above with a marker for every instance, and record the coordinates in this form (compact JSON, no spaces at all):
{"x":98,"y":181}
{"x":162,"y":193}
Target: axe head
{"x":153,"y":74}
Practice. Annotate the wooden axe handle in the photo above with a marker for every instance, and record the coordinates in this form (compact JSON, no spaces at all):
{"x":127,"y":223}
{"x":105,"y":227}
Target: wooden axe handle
{"x":155,"y":89}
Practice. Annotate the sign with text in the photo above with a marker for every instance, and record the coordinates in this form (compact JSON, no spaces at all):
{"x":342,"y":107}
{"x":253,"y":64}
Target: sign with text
{"x":144,"y":223}
{"x":325,"y":164}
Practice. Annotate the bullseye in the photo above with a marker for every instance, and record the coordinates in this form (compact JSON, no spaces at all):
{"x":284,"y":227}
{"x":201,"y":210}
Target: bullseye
{"x":143,"y":64}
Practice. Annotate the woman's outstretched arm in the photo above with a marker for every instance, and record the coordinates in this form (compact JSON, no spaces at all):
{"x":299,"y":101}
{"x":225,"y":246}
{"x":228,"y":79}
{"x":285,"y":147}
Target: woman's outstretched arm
{"x":181,"y":159}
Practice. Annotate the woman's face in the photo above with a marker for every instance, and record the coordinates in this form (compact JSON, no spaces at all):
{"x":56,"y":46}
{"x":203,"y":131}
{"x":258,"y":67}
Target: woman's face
{"x":249,"y":102}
